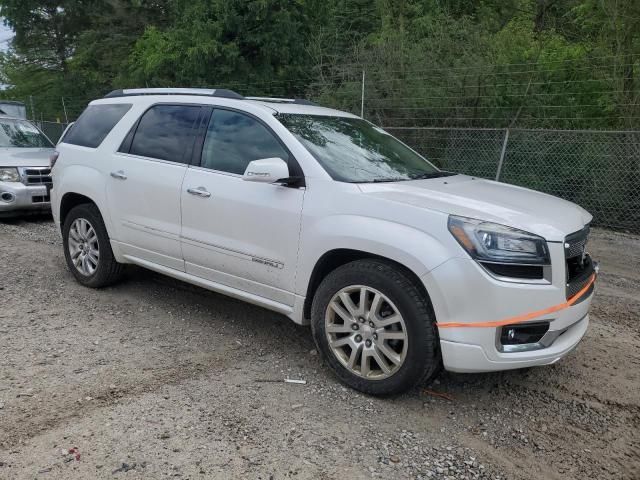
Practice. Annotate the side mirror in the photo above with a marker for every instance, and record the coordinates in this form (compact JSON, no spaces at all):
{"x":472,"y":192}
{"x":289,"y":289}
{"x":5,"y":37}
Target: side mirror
{"x":266,"y":170}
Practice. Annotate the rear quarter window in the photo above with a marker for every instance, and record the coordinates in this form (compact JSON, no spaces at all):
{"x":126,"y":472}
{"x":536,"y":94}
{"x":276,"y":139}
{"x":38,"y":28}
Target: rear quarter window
{"x":95,"y":123}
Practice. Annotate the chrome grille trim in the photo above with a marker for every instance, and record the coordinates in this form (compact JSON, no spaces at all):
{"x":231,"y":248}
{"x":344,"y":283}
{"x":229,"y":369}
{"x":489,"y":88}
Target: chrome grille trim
{"x":37,"y":176}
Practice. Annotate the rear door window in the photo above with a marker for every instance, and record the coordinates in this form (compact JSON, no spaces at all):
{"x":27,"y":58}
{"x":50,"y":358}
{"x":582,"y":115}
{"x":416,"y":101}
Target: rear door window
{"x":95,"y":123}
{"x":166,"y":132}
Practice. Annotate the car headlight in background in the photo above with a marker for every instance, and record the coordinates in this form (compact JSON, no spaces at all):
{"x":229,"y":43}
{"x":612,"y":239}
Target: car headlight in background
{"x":498,"y":244}
{"x":9,"y":174}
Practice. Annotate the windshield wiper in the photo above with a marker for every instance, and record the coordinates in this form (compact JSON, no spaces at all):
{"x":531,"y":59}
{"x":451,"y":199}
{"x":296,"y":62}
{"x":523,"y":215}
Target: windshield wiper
{"x":424,"y":176}
{"x":386,"y":180}
{"x":420,"y":176}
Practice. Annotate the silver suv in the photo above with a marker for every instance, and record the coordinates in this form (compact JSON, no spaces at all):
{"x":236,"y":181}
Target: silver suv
{"x":25,"y":174}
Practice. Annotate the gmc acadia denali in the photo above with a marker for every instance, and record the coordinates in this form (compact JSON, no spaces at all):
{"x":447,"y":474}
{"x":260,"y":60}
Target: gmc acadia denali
{"x":315,"y":213}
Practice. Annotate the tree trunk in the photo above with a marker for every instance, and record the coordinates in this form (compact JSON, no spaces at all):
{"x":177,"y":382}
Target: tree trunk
{"x":539,"y":20}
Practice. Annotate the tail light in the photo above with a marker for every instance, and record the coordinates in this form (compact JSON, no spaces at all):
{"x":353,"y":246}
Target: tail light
{"x":53,"y":158}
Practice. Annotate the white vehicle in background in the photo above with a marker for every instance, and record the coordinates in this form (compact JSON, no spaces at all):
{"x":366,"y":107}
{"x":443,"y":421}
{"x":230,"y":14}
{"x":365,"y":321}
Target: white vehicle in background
{"x":25,"y":173}
{"x":315,"y":213}
{"x":13,"y":109}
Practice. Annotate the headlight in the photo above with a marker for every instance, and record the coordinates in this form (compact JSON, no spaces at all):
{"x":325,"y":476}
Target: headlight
{"x":491,"y":242}
{"x":9,"y":174}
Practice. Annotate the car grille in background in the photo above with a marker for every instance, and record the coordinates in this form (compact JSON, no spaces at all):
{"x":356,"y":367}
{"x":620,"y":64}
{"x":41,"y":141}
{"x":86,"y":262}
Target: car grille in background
{"x":38,"y":176}
{"x":578,"y":263}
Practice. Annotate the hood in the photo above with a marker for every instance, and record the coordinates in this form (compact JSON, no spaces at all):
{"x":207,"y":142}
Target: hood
{"x":25,"y":157}
{"x":550,"y":217}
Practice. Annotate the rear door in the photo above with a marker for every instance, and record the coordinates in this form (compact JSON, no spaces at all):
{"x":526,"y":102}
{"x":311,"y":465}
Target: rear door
{"x":143,"y":189}
{"x":241,"y":234}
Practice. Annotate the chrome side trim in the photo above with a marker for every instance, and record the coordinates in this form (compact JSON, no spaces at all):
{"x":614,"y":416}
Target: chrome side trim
{"x":246,"y":256}
{"x":147,"y":229}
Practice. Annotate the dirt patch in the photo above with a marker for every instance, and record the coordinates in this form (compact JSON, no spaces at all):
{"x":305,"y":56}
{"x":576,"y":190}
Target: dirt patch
{"x":155,"y":378}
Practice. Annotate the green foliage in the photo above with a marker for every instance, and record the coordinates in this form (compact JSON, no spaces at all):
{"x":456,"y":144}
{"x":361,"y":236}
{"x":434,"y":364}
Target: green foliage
{"x":498,"y":63}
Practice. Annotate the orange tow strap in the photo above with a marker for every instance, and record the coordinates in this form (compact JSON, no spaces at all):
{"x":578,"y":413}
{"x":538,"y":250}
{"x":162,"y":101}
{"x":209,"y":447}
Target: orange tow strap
{"x":526,"y":316}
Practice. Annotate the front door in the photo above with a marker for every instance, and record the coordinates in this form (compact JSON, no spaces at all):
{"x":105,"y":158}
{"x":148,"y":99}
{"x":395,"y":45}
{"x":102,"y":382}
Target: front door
{"x":143,"y":189}
{"x":240,"y":234}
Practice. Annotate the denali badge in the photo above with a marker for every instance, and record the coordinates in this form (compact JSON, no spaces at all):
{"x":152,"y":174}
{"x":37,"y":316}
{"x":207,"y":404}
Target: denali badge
{"x":269,"y":263}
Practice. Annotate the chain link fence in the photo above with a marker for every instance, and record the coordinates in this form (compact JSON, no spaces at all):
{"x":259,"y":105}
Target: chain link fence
{"x":597,"y":169}
{"x":53,"y":130}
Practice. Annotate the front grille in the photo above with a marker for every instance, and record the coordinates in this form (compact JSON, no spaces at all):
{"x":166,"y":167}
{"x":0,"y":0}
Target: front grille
{"x":40,"y":199}
{"x":575,"y":243}
{"x":576,"y":247}
{"x":579,"y":266}
{"x":38,"y":176}
{"x":578,"y":283}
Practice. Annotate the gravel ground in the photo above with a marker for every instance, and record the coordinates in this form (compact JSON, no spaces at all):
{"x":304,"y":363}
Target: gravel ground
{"x":154,"y":378}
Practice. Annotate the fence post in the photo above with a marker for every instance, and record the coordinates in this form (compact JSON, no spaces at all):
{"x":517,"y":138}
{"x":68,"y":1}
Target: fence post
{"x":362,"y":97}
{"x":504,"y":150}
{"x":33,"y":113}
{"x":64,"y":107}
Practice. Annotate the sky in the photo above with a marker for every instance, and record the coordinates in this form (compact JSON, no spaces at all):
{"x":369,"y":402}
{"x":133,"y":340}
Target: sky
{"x":5,"y":35}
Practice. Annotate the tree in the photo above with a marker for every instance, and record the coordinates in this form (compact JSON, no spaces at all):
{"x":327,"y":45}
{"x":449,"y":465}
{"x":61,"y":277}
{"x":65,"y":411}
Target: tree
{"x":235,"y":43}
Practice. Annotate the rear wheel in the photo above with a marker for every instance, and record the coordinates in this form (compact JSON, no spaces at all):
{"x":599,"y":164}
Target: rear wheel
{"x":87,"y":249}
{"x":375,"y":327}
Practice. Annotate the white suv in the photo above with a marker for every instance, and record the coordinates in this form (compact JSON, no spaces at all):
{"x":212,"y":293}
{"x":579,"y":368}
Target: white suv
{"x":315,"y":213}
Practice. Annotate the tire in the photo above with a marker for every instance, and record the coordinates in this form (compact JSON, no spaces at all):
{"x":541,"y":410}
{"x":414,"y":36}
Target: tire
{"x":411,"y":357}
{"x":101,"y":270}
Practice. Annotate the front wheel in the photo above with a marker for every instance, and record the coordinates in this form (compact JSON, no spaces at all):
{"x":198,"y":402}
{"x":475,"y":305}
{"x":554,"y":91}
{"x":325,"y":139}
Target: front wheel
{"x":375,"y":327}
{"x":87,"y":249}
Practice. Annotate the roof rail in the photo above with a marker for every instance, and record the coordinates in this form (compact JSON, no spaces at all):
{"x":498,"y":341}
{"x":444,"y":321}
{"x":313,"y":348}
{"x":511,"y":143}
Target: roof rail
{"x":211,"y":92}
{"x":297,"y":101}
{"x":208,"y":92}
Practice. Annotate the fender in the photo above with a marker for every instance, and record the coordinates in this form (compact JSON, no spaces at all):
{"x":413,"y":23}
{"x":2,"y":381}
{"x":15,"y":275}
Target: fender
{"x":419,"y":251}
{"x":88,"y":182}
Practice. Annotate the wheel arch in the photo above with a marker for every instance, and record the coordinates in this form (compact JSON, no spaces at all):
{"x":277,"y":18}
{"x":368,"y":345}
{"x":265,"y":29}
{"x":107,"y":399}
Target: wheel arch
{"x":70,"y":200}
{"x":338,"y":239}
{"x":337,"y":257}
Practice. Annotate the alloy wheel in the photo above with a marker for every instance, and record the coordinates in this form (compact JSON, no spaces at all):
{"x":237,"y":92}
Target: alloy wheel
{"x":366,"y":332}
{"x":83,"y":246}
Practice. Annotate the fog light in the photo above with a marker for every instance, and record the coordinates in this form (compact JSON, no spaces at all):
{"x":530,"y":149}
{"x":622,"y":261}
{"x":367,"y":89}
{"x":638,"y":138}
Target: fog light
{"x":7,"y":197}
{"x":524,"y":333}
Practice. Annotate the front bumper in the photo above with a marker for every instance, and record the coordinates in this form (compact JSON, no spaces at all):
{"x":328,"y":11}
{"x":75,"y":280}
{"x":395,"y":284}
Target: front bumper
{"x":462,"y":292}
{"x":17,"y":198}
{"x":469,"y":357}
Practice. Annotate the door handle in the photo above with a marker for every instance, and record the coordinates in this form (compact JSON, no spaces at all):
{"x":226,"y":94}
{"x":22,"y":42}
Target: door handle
{"x":119,"y":175}
{"x":200,"y":192}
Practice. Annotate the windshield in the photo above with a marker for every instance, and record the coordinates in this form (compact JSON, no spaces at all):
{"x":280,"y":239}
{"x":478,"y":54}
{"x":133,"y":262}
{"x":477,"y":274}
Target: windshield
{"x":21,"y":134}
{"x":354,"y":150}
